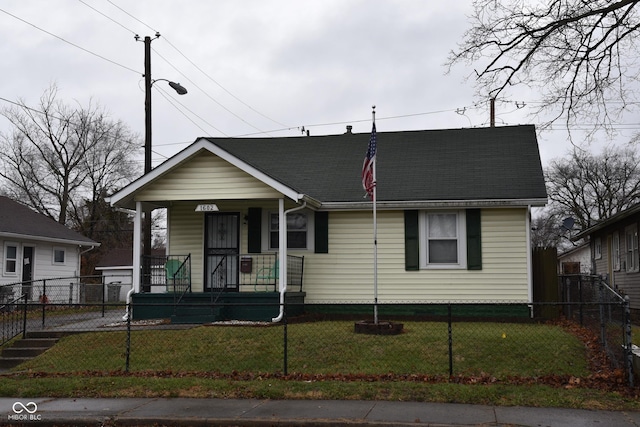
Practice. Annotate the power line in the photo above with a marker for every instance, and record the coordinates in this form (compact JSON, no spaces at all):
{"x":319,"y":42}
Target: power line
{"x":68,"y":42}
{"x":106,"y":16}
{"x":131,"y":16}
{"x":223,"y":88}
{"x":204,"y":73}
{"x":172,"y":100}
{"x":207,"y":95}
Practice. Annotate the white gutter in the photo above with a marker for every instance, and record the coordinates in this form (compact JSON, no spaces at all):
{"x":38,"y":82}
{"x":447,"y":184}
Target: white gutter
{"x":432,"y":204}
{"x":12,"y":236}
{"x":283,"y":253}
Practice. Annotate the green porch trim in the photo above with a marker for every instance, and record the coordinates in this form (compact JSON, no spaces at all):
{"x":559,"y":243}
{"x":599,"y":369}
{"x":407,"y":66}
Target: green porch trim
{"x":198,"y":307}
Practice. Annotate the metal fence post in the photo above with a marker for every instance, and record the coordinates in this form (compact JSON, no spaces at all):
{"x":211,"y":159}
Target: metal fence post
{"x":24,"y":316}
{"x":603,"y":330}
{"x":103,"y":291}
{"x":628,"y":340}
{"x":128,"y":345}
{"x":43,"y":300}
{"x":450,"y":342}
{"x":286,"y":339}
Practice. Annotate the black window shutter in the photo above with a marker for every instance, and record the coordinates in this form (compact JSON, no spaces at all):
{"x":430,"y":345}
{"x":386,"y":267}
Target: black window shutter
{"x":254,"y":229}
{"x":411,"y":241}
{"x":474,"y":242}
{"x":321,"y":229}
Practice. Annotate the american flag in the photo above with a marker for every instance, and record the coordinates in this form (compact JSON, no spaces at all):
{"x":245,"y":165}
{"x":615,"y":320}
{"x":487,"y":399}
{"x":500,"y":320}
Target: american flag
{"x":368,"y":182}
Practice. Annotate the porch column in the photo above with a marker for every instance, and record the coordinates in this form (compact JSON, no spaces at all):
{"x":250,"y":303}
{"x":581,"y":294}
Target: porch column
{"x":282,"y":253}
{"x":137,"y":246}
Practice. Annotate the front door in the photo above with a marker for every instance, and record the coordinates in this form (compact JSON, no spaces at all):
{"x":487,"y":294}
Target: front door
{"x":27,"y":270}
{"x":222,"y":247}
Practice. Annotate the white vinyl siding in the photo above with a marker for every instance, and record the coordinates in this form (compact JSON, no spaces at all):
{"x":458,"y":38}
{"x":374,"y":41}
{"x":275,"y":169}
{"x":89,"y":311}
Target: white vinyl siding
{"x":41,"y":263}
{"x":186,"y":228}
{"x":206,"y":177}
{"x":346,"y":272}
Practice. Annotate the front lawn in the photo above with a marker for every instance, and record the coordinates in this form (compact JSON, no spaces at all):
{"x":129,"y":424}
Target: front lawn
{"x":493,"y":363}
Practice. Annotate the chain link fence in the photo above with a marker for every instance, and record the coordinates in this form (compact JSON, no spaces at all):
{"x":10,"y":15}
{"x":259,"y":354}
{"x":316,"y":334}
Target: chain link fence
{"x":590,"y":302}
{"x":498,"y":340}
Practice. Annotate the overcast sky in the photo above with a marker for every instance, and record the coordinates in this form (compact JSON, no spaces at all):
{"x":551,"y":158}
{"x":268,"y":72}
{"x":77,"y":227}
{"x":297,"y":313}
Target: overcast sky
{"x":253,"y":67}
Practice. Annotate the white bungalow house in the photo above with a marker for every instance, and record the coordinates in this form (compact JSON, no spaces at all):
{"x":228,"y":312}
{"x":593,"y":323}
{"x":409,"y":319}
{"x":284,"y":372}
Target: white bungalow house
{"x":35,"y":247}
{"x":453,"y":215}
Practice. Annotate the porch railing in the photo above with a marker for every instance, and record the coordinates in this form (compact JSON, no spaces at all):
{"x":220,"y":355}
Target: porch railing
{"x":167,"y":273}
{"x":255,"y":272}
{"x":238,"y":272}
{"x":13,"y":317}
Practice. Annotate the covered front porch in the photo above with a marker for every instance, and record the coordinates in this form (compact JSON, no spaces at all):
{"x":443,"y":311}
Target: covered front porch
{"x":236,"y":287}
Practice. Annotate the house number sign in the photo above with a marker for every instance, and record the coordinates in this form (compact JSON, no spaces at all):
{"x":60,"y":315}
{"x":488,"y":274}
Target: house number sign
{"x":207,"y":208}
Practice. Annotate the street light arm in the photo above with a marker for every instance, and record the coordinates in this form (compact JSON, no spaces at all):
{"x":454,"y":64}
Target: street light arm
{"x":181,"y":90}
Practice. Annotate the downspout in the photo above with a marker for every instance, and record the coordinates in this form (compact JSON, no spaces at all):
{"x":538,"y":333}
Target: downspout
{"x":137,"y":243}
{"x":283,"y":254}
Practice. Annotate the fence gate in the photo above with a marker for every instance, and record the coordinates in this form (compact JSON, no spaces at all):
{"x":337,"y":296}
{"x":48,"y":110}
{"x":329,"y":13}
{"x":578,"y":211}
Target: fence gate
{"x":545,"y":281}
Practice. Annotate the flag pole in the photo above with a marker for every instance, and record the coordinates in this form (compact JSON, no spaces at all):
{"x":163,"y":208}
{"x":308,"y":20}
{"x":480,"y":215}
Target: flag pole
{"x":375,"y":230}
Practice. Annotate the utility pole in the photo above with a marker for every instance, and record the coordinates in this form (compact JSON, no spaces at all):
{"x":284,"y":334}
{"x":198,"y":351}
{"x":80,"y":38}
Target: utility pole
{"x":146,"y":231}
{"x":148,"y":82}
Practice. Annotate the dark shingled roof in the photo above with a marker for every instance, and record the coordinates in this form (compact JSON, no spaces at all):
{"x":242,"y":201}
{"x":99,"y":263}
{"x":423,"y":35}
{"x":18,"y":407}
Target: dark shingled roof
{"x":498,"y":163}
{"x":19,"y":220}
{"x":123,"y":257}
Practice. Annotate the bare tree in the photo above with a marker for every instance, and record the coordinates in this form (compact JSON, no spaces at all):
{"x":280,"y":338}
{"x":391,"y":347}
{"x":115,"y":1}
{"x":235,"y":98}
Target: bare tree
{"x":57,"y":157}
{"x":590,"y":187}
{"x":579,"y":55}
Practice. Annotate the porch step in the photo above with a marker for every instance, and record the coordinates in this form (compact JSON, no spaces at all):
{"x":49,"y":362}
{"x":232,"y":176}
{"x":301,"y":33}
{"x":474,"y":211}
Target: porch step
{"x":36,"y":342}
{"x":47,"y":334}
{"x":27,"y":348}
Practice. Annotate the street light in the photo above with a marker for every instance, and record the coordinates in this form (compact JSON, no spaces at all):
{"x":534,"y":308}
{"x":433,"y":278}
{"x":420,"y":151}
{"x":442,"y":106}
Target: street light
{"x":148,"y":82}
{"x":180,"y":90}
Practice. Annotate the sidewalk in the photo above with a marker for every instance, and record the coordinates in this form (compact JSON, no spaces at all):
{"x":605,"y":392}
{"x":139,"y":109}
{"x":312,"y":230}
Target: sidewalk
{"x":253,"y":412}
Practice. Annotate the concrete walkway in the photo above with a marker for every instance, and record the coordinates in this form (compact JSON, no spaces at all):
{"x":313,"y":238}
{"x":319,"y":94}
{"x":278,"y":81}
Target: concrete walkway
{"x":253,"y":412}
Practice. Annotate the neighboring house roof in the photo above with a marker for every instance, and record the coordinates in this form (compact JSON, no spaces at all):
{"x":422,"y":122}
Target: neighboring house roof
{"x":17,"y":221}
{"x":632,"y":210}
{"x":585,"y":247}
{"x":485,"y":165}
{"x":122,"y":258}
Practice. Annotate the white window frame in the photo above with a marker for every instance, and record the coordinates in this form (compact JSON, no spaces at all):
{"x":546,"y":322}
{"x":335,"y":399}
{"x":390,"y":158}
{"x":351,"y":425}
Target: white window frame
{"x":267,"y":230}
{"x":597,"y":248}
{"x":631,"y":248}
{"x":64,"y":255}
{"x":615,"y":251}
{"x":461,"y":239}
{"x":6,"y":259}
